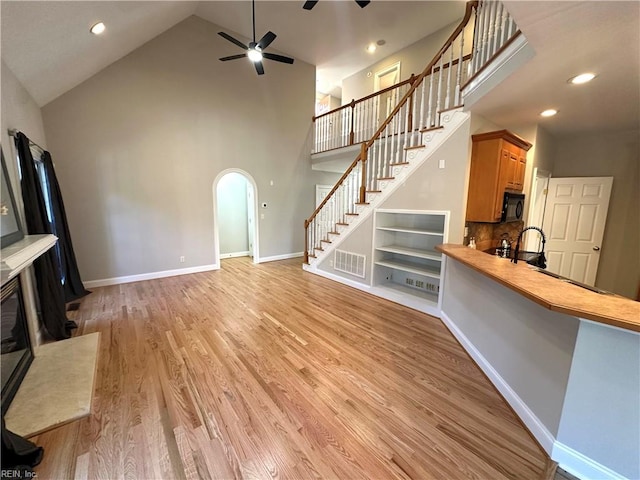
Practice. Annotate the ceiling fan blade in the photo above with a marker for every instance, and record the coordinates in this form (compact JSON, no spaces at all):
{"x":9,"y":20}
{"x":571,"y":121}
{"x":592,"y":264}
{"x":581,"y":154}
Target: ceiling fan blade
{"x":266,"y":40}
{"x":309,"y":4}
{"x":363,"y":3}
{"x":277,"y":58}
{"x":233,"y":40}
{"x":233,"y":57}
{"x":259,"y":68}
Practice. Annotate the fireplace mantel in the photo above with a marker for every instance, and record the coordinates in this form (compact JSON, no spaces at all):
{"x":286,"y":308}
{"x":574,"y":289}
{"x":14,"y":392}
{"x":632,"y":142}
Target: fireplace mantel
{"x":19,"y":255}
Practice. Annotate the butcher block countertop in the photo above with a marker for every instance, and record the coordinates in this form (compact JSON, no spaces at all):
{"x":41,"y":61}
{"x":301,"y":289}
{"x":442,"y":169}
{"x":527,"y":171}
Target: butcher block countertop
{"x":549,"y":292}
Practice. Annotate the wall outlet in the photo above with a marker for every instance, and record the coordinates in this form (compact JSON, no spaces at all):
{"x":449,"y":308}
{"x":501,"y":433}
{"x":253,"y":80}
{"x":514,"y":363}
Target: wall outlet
{"x":182,"y":259}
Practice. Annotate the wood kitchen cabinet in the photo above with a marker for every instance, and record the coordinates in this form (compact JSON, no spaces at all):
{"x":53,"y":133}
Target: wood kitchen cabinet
{"x":498,"y":164}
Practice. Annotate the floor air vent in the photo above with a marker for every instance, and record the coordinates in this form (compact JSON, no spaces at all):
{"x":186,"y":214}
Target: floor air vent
{"x":348,"y":262}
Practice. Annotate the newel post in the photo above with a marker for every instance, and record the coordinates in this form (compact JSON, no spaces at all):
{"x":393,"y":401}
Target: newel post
{"x":306,"y":241}
{"x":353,"y":114}
{"x":363,"y":183}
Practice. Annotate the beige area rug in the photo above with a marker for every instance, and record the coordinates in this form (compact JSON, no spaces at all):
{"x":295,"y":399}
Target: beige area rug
{"x":57,"y":388}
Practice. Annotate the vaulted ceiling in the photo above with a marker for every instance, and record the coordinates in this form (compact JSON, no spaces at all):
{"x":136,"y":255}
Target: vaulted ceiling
{"x":48,"y":47}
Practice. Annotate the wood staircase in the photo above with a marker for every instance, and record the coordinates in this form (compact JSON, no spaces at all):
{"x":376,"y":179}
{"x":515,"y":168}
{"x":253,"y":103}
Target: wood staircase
{"x":425,"y":116}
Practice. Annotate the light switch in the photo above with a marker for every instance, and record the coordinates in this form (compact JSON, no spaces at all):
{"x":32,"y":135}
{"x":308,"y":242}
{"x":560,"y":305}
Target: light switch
{"x":441,"y":163}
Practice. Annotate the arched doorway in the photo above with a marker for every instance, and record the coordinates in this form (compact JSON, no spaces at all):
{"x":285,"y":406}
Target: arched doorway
{"x":234,"y":219}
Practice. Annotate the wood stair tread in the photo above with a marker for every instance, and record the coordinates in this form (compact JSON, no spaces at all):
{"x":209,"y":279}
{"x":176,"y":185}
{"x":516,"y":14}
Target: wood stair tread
{"x":430,"y":129}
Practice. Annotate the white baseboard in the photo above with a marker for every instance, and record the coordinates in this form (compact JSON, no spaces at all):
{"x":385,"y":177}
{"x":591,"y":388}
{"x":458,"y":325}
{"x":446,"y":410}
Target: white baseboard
{"x":149,"y":276}
{"x":532,"y":422}
{"x":285,"y":256}
{"x":582,"y":467}
{"x":234,"y":254}
{"x":406,"y":300}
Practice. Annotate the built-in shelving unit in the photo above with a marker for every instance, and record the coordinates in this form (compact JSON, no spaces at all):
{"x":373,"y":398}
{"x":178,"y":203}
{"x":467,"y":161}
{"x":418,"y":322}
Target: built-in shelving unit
{"x":407,"y":267}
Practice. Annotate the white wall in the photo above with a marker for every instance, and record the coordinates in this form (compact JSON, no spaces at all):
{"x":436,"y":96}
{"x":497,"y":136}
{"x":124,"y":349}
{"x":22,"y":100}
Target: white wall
{"x":233,"y":218}
{"x":413,"y":59}
{"x":615,"y":154}
{"x":612,"y":389}
{"x":529,"y":346}
{"x":138,"y":146}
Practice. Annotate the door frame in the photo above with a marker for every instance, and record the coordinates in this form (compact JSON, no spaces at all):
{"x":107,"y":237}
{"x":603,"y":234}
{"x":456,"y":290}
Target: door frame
{"x":540,"y":179}
{"x":216,"y":234}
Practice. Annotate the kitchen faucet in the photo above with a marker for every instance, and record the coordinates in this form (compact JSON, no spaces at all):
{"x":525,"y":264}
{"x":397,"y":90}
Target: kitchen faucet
{"x":540,"y":261}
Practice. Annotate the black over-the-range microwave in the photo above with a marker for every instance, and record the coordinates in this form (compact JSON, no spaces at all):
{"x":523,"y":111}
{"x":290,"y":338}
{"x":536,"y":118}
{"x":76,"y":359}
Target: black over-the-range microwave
{"x":512,"y":207}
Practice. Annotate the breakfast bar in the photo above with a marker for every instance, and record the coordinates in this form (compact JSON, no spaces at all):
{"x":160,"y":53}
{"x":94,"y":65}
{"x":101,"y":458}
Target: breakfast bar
{"x":565,"y":358}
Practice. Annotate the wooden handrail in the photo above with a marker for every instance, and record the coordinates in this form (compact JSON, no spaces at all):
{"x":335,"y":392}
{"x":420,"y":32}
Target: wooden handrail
{"x":335,"y":187}
{"x":353,"y":103}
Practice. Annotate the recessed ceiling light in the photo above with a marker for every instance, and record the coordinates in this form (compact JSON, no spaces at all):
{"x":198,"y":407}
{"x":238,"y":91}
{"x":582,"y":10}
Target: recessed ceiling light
{"x":548,"y":113}
{"x":371,"y":48}
{"x":98,"y":28}
{"x":582,"y":78}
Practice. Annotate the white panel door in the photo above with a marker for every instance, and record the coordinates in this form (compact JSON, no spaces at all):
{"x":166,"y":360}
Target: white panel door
{"x":574,"y":221}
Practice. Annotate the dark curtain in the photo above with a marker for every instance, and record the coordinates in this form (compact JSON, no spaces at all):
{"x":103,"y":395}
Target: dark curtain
{"x":18,"y":455}
{"x":73,"y":287}
{"x":46,"y":268}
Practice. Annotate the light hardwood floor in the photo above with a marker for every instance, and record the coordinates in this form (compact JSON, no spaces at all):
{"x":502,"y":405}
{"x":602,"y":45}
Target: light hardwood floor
{"x":267,"y":371}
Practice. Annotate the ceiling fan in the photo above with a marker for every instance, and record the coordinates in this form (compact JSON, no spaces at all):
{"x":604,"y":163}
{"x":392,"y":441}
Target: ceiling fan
{"x":255,"y":50}
{"x":309,"y":4}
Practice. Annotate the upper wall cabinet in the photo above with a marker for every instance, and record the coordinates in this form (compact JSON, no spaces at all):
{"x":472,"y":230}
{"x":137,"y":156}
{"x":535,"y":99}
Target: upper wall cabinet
{"x":498,"y":163}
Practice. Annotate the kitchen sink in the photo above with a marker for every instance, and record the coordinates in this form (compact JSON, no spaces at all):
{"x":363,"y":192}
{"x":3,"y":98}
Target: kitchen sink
{"x":573,"y":282}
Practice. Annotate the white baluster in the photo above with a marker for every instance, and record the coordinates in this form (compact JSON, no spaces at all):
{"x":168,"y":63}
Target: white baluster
{"x":496,"y":28}
{"x":429,"y":124}
{"x":439,"y":95}
{"x":476,"y":40}
{"x":458,"y":99}
{"x":423,"y":102}
{"x":446,"y":102}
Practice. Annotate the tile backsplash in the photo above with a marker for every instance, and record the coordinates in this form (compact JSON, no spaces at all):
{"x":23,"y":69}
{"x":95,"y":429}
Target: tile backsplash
{"x":489,"y":235}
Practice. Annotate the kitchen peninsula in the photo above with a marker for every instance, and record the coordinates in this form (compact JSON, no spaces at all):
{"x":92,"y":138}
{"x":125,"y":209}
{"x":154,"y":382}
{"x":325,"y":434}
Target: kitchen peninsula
{"x":565,"y":358}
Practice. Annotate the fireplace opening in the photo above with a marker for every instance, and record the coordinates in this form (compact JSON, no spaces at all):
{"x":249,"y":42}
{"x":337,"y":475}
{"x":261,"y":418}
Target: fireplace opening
{"x":15,"y":345}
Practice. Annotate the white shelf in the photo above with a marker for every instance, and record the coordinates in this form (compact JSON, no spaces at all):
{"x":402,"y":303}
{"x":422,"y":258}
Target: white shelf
{"x":406,"y":266}
{"x":413,"y":252}
{"x":411,"y":230}
{"x":421,"y":294}
{"x":410,"y":267}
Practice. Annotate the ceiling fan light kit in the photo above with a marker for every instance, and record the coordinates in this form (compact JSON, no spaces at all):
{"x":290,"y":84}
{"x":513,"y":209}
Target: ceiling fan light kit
{"x":255,"y":50}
